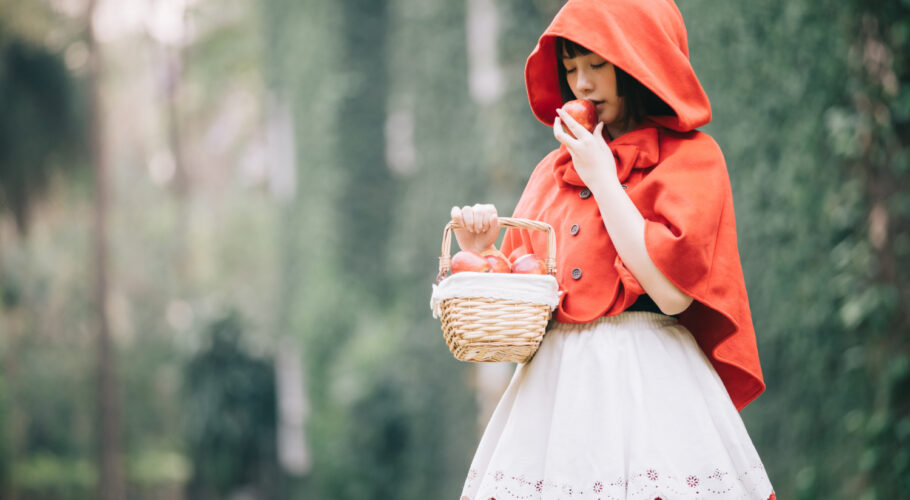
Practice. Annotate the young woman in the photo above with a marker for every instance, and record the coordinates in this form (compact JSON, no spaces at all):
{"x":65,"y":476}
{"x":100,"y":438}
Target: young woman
{"x":635,"y":389}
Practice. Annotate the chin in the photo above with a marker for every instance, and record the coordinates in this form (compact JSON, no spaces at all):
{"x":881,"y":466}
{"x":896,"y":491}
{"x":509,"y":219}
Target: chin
{"x":608,"y":116}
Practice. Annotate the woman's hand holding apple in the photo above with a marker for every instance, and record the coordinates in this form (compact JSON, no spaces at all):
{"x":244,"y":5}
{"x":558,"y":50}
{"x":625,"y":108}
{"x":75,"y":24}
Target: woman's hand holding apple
{"x":480,"y":226}
{"x":591,"y":155}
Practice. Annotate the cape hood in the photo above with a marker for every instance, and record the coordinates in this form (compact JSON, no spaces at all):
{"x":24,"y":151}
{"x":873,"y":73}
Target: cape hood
{"x":646,"y":38}
{"x":676,"y":176}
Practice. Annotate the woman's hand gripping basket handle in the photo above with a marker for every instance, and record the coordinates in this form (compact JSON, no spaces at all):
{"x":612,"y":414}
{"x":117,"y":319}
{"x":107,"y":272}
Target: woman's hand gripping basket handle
{"x":445,"y":258}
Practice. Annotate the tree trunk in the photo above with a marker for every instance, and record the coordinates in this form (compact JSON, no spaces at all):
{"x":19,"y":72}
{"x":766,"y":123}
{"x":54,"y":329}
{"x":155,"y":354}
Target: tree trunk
{"x":110,"y":481}
{"x":174,"y":62}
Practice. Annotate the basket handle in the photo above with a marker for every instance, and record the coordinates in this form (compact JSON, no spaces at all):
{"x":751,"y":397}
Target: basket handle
{"x":445,"y":258}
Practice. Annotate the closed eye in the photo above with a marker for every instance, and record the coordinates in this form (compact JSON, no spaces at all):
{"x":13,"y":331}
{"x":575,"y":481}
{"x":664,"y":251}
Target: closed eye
{"x":601,"y":65}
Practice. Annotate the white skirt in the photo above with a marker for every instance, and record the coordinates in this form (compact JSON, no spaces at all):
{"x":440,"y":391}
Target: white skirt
{"x":625,"y":407}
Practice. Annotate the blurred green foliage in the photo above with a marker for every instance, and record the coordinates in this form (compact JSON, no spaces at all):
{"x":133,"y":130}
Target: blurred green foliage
{"x":811,"y":109}
{"x":230,"y":415}
{"x":39,"y":132}
{"x":792,"y":91}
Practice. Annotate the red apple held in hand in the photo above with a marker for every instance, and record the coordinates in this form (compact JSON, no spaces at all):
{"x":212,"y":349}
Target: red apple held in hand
{"x":529,"y":264}
{"x":583,"y":111}
{"x":467,"y":260}
{"x":498,"y":261}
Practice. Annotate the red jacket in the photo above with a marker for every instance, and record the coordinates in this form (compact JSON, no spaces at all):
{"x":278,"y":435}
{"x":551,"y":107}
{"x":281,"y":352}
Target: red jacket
{"x":675,"y":175}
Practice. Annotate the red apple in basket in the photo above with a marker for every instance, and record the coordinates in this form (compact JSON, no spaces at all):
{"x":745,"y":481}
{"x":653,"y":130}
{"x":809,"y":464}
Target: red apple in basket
{"x":583,"y":111}
{"x":498,"y":261}
{"x":467,"y":260}
{"x":529,"y":264}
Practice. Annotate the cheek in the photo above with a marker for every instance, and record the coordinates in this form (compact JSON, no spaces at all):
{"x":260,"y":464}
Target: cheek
{"x":571,"y":81}
{"x":620,"y":105}
{"x":611,"y":112}
{"x":620,"y":108}
{"x":611,"y":84}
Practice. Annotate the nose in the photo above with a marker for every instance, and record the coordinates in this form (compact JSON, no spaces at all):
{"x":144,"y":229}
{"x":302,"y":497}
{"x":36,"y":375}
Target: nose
{"x":584,"y":84}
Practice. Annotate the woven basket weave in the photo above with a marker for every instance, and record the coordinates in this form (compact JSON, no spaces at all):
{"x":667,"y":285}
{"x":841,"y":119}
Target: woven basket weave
{"x":482,"y":329}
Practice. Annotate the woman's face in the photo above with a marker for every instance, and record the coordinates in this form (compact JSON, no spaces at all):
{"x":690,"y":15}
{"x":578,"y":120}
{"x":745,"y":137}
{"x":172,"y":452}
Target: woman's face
{"x":592,"y":77}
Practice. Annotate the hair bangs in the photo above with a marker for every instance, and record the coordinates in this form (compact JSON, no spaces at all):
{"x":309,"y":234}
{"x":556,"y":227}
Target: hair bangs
{"x":568,"y":48}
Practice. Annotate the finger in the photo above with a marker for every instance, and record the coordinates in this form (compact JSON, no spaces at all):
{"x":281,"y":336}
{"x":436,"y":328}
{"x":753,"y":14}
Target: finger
{"x":456,"y":215}
{"x":564,"y":137}
{"x":485,"y":223}
{"x":491,"y":221}
{"x":478,"y":218}
{"x":467,"y":217}
{"x":481,"y":216}
{"x":559,"y":133}
{"x":570,"y":123}
{"x":599,"y":129}
{"x":577,"y":130}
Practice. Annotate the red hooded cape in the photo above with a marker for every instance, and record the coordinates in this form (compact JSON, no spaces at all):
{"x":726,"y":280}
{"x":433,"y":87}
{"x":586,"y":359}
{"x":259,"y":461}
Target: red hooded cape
{"x":674,"y":174}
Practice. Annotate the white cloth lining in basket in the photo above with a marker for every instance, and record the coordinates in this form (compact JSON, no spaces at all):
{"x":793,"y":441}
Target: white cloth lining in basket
{"x":533,"y":288}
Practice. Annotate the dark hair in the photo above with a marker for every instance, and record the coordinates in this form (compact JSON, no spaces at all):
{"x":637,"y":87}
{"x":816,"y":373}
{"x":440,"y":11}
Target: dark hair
{"x":640,"y":100}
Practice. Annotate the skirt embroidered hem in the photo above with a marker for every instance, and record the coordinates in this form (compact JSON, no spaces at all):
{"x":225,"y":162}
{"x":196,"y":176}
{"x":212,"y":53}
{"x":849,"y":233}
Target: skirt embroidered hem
{"x":772,"y":497}
{"x":625,"y":407}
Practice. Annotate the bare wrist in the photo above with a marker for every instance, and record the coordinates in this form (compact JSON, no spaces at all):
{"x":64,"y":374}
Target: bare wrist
{"x":605,"y":185}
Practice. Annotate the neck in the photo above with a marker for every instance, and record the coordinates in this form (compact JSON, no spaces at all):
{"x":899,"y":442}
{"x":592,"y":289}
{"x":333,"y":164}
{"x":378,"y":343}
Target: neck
{"x":617,"y":129}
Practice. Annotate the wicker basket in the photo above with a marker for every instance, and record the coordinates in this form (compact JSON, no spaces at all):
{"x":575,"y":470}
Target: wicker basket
{"x":483,"y":329}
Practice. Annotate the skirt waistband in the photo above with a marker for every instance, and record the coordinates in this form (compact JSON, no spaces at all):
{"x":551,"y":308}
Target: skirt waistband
{"x":626,"y":318}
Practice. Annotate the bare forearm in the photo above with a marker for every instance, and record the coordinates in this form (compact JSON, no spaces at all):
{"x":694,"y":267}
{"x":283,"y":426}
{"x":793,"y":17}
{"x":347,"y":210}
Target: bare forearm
{"x":626,"y":228}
